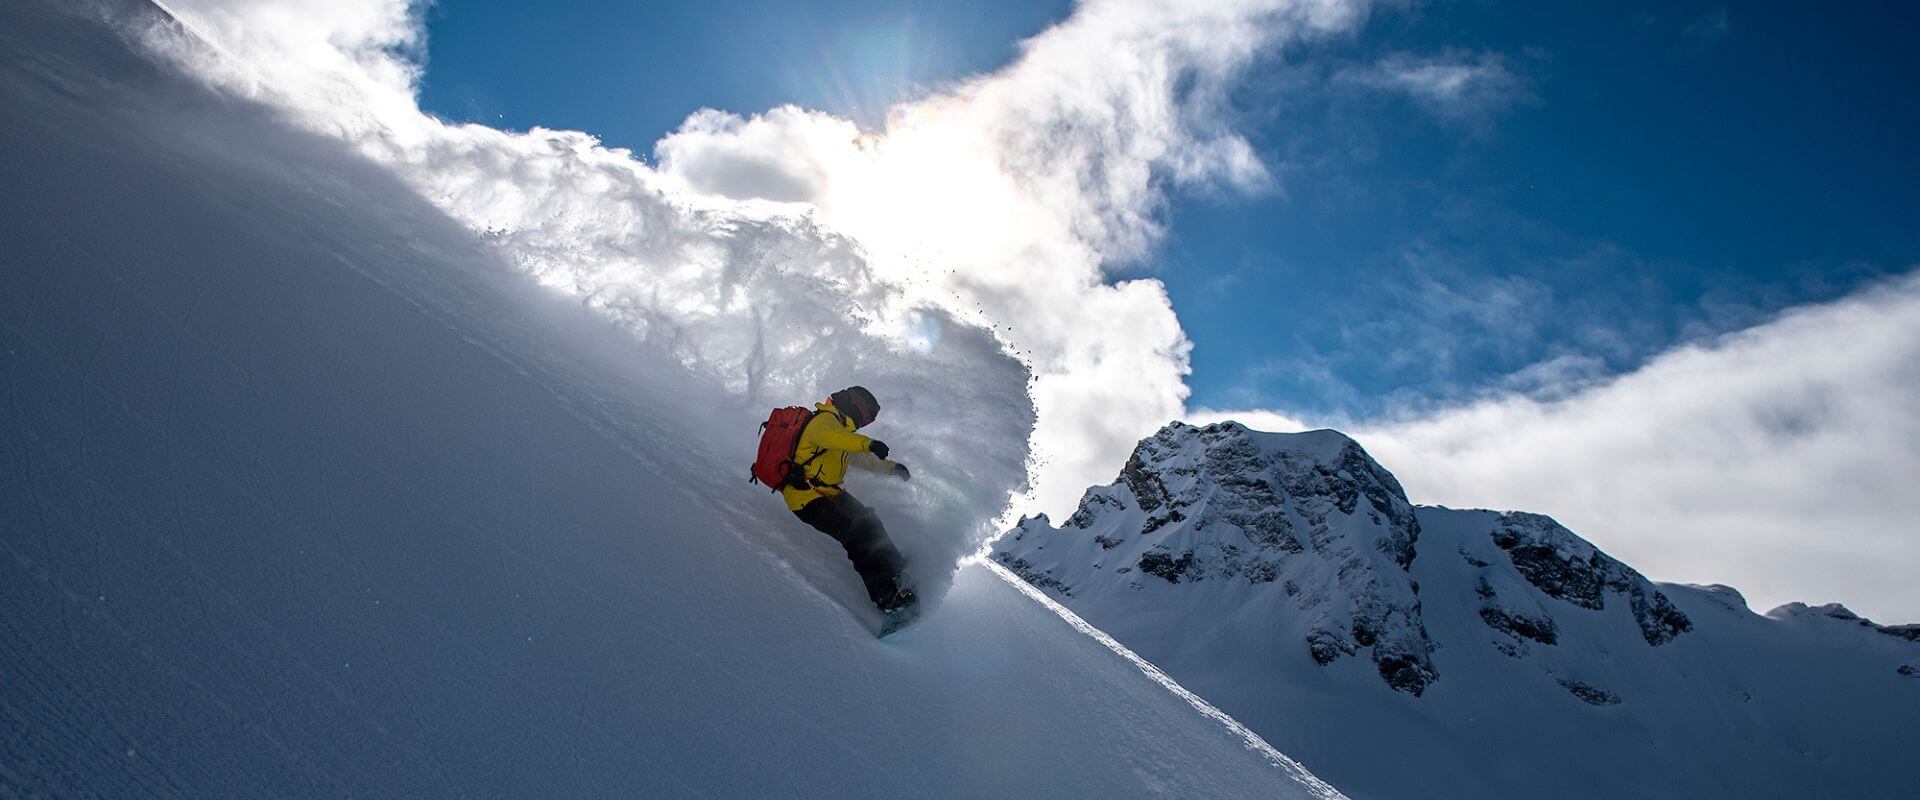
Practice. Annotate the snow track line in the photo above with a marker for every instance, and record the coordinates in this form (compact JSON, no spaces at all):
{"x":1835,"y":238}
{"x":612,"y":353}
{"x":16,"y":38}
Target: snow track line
{"x":1253,"y":741}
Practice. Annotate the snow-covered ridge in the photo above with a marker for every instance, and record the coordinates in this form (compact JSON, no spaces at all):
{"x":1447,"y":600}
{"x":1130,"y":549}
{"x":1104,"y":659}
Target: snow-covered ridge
{"x":1505,"y":650}
{"x":1909,"y":632}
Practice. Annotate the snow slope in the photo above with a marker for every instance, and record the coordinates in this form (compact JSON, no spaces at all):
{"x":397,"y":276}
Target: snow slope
{"x":1425,"y":652}
{"x":302,"y":493}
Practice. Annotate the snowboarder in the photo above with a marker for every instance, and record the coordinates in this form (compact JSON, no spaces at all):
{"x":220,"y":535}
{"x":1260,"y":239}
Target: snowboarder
{"x":826,"y":447}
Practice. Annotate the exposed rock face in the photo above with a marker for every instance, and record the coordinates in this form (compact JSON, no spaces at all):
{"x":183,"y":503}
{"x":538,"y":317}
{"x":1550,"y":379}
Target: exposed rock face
{"x":1590,"y":694}
{"x":1567,"y":567}
{"x":1310,"y":515}
{"x":1520,"y":564}
{"x":1529,"y":622}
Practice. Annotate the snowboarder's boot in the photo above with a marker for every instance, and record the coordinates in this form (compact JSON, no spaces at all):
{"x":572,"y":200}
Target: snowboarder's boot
{"x":901,"y":598}
{"x":901,"y":610}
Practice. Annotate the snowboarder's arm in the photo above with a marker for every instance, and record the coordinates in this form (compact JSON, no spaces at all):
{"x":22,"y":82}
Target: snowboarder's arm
{"x":871,"y":463}
{"x":847,"y":441}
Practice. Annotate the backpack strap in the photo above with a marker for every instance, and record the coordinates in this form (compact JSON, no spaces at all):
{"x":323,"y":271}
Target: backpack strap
{"x":798,"y":478}
{"x":802,"y":465}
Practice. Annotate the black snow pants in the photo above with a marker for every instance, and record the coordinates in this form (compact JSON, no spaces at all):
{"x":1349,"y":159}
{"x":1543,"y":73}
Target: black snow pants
{"x":858,"y":529}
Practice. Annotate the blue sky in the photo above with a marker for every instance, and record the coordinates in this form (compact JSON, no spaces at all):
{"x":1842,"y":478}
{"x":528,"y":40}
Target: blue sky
{"x":1608,"y":182}
{"x":1648,"y":177}
{"x":631,"y":72}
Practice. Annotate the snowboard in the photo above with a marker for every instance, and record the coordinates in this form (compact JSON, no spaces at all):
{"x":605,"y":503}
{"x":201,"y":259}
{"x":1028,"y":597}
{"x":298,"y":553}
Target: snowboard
{"x":899,"y":618}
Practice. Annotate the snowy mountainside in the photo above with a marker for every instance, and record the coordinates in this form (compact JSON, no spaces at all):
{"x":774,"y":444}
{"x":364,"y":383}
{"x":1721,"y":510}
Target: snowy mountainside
{"x":1251,"y":565}
{"x":304,"y":493}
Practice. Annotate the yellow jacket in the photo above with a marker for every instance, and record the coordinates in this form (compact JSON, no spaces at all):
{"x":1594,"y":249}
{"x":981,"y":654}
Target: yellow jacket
{"x":831,"y":437}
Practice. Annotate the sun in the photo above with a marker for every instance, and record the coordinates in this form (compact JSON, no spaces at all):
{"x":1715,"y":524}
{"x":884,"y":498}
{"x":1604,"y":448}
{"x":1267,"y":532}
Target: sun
{"x":929,"y":193}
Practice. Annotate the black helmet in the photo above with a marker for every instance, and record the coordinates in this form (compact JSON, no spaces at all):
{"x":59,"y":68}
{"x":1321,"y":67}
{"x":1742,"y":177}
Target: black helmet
{"x":857,"y":403}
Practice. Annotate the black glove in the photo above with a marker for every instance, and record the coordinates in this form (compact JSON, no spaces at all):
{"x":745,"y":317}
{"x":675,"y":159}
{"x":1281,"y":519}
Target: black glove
{"x":901,"y":470}
{"x":878,"y":448}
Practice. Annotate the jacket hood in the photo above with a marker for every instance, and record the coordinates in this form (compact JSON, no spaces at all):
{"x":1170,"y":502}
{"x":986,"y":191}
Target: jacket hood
{"x":826,"y":406}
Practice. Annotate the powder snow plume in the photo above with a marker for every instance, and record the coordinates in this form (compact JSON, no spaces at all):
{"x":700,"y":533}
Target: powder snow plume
{"x":788,"y":252}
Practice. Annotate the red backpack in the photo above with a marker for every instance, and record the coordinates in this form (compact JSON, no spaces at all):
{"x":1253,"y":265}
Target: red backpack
{"x":779,"y":442}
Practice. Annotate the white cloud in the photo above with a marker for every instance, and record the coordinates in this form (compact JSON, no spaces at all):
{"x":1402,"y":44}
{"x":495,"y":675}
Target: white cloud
{"x":1457,"y":87}
{"x":788,"y":154}
{"x":1780,"y":459}
{"x":1001,"y":202}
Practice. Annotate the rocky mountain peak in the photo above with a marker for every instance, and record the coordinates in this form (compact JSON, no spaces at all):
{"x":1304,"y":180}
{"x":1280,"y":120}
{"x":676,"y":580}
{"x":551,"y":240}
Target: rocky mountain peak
{"x":1309,"y":515}
{"x":1252,"y":479}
